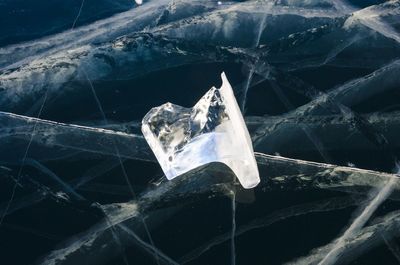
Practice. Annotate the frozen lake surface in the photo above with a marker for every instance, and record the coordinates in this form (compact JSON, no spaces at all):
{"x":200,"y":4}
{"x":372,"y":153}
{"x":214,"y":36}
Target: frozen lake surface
{"x":317,"y":83}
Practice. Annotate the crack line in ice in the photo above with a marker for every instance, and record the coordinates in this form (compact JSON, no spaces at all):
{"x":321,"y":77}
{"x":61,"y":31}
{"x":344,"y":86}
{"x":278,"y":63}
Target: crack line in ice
{"x":92,"y":174}
{"x":49,"y":138}
{"x":114,"y":233}
{"x":78,"y":15}
{"x":27,"y":76}
{"x":23,"y":159}
{"x":310,"y":134}
{"x":188,"y":186}
{"x":332,"y":204}
{"x":70,"y":190}
{"x":246,"y":87}
{"x":38,"y":196}
{"x":368,"y":238}
{"x":124,"y":212}
{"x":341,"y":97}
{"x":67,"y":188}
{"x":370,"y":17}
{"x":233,"y":233}
{"x":121,"y":164}
{"x":358,"y":243}
{"x":82,"y":36}
{"x":147,"y":247}
{"x":252,"y":67}
{"x":392,"y":246}
{"x":359,"y":222}
{"x":75,"y":137}
{"x":338,"y":49}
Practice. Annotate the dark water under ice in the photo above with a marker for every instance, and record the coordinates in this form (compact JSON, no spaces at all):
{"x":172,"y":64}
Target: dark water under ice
{"x":280,"y":221}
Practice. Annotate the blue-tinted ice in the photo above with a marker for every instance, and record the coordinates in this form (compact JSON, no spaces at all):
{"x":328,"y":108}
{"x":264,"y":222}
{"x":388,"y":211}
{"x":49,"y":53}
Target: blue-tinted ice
{"x":213,"y":130}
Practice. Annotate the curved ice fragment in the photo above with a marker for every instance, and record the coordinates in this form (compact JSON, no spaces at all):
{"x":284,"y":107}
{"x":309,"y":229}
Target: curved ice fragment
{"x":213,"y":130}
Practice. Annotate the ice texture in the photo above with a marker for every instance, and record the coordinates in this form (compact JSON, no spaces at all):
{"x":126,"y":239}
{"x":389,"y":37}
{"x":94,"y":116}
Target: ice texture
{"x":213,"y":130}
{"x":318,"y":79}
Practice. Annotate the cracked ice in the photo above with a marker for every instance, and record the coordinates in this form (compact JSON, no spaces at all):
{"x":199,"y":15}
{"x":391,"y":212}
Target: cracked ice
{"x":317,"y":84}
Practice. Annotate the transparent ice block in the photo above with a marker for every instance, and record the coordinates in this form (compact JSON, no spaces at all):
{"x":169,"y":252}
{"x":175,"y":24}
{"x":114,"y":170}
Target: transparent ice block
{"x":213,"y":130}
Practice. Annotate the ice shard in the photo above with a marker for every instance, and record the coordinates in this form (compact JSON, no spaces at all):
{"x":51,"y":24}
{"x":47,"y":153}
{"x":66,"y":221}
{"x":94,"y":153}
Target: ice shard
{"x":213,"y":130}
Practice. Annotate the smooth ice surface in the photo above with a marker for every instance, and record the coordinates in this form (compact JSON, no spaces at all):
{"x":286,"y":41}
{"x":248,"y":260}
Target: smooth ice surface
{"x":213,"y":130}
